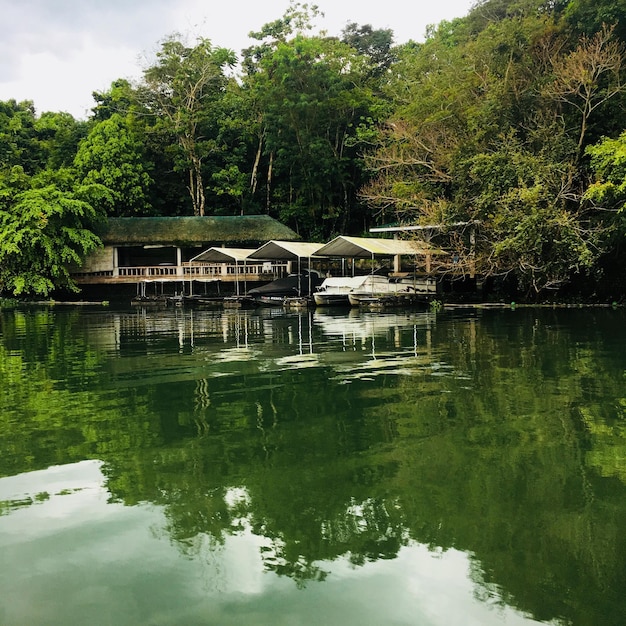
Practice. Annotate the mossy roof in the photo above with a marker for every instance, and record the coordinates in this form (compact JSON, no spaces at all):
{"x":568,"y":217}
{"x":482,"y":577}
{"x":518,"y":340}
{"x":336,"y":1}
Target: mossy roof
{"x":193,"y":231}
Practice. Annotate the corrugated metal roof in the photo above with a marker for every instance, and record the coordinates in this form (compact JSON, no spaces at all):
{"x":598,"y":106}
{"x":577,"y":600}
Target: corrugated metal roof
{"x":130,"y":231}
{"x":286,"y":250}
{"x":401,"y":228}
{"x":365,"y":247}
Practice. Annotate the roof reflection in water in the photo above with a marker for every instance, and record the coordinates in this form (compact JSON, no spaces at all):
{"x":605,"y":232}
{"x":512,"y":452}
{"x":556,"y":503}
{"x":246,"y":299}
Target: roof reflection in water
{"x":353,"y":342}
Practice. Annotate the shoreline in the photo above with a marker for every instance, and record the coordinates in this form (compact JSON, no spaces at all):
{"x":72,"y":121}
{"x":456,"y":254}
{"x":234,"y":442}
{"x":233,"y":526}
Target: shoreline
{"x":435,"y":304}
{"x":530,"y":305}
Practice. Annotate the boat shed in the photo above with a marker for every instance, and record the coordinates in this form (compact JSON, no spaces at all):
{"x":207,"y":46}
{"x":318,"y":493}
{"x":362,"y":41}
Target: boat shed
{"x":223,"y":255}
{"x":366,"y":247}
{"x":234,"y":260}
{"x":142,"y":248}
{"x":287,"y":250}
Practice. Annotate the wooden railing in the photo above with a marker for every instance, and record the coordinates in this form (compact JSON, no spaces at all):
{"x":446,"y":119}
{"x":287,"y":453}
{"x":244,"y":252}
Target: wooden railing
{"x":230,"y":271}
{"x":191,"y":271}
{"x":149,"y":271}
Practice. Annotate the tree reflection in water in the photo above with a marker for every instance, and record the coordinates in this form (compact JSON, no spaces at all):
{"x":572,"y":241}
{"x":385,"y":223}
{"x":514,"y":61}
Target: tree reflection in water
{"x":347,"y":437}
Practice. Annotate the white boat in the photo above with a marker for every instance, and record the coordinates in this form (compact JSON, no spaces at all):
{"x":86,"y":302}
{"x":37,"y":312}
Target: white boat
{"x":334,"y":290}
{"x":393,"y":290}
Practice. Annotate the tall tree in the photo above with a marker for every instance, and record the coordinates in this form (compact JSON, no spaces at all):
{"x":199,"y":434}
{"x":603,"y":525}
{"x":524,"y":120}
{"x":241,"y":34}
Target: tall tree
{"x":18,"y":137}
{"x":311,"y":95}
{"x":183,"y":90}
{"x":375,"y":44}
{"x":113,"y":157}
{"x":588,"y":77}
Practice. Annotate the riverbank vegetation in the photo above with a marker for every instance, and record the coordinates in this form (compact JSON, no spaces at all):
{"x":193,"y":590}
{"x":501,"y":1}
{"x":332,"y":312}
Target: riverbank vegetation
{"x":503,"y":130}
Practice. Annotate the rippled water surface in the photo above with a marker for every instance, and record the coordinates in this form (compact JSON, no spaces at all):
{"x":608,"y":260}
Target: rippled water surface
{"x":331,"y":467}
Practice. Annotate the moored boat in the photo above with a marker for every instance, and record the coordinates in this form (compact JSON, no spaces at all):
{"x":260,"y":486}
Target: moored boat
{"x":292,"y":286}
{"x":334,"y":290}
{"x":238,"y":302}
{"x":301,"y":302}
{"x":393,"y":290}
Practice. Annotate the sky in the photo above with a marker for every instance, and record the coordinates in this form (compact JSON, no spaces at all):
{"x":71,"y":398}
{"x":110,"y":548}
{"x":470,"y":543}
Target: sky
{"x":57,"y":52}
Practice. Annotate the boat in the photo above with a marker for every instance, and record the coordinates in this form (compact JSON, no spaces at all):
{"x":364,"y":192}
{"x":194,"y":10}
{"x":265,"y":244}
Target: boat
{"x":377,"y":303}
{"x":334,"y":290}
{"x":238,"y":302}
{"x":378,"y":291}
{"x":292,"y":286}
{"x":298,"y":302}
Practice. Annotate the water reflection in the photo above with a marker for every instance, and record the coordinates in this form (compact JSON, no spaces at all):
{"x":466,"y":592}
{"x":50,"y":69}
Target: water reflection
{"x":423,"y":467}
{"x":106,"y":568}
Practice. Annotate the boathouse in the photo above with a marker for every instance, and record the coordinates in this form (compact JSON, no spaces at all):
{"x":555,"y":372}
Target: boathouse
{"x":144,"y":249}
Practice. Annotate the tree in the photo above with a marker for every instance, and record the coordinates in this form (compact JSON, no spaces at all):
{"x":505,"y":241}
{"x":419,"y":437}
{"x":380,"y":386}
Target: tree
{"x":608,"y":162}
{"x":473,"y":139}
{"x":311,"y":96}
{"x":121,"y":98}
{"x":183,"y":90}
{"x":231,"y":182}
{"x":43,"y":231}
{"x":113,"y":157}
{"x":58,"y":136}
{"x":433,"y":88}
{"x":45,"y":221}
{"x":588,"y":16}
{"x":18,"y":145}
{"x":588,"y":77}
{"x":376,"y":44}
{"x":606,"y":195}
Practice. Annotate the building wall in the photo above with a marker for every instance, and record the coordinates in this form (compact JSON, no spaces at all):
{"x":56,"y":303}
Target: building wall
{"x":100,"y":260}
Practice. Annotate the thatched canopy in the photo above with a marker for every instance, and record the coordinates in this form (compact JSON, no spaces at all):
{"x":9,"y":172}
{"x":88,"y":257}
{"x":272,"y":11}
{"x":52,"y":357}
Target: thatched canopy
{"x":193,"y":231}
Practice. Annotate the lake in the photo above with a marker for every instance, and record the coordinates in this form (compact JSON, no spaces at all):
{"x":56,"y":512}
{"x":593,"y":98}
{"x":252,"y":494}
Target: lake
{"x":463,"y":467}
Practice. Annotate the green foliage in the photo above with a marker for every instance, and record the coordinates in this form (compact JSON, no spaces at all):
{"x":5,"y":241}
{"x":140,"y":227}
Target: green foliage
{"x":492,"y":116}
{"x":608,"y":161}
{"x":184,"y":90}
{"x":58,"y":135}
{"x":588,"y":16}
{"x":231,"y":182}
{"x":16,"y":133}
{"x":45,"y":220}
{"x":113,"y":157}
{"x":36,"y":143}
{"x":297,"y":19}
{"x":607,"y":193}
{"x":375,"y":44}
{"x":311,"y":95}
{"x":121,"y":99}
{"x":43,"y":231}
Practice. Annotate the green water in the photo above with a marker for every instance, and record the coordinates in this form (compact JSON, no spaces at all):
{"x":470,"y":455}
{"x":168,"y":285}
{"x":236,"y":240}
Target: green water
{"x":194,"y":467}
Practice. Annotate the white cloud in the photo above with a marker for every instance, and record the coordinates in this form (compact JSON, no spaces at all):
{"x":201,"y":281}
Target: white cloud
{"x":57,"y":52}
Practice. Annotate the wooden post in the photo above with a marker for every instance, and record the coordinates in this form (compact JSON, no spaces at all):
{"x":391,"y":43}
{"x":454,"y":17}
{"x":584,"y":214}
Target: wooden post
{"x":472,"y":253}
{"x":179,"y":262}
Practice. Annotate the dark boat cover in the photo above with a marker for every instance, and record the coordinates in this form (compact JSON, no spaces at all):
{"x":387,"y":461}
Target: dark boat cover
{"x":288,"y":286}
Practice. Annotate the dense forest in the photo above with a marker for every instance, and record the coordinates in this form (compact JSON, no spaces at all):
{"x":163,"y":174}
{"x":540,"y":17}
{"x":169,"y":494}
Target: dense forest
{"x":506,"y":123}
